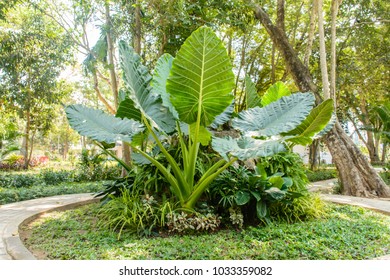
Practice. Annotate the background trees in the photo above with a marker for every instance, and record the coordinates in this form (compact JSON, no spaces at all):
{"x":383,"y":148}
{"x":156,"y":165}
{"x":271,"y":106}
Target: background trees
{"x":33,"y":52}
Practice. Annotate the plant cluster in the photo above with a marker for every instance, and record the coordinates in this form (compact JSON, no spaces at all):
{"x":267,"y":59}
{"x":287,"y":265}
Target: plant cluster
{"x":192,"y":222}
{"x":168,"y":119}
{"x":9,"y":195}
{"x":321,"y":174}
{"x":17,"y":162}
{"x":135,"y":212}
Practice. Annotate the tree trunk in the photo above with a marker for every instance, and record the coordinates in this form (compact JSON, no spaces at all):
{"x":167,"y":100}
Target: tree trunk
{"x":314,"y":154}
{"x":99,"y":94}
{"x":324,"y":67}
{"x":126,"y":149}
{"x":334,"y":11}
{"x":370,"y":142}
{"x":357,"y":176}
{"x":312,"y":27}
{"x":137,"y":29}
{"x":110,"y":56}
{"x":384,"y":151}
{"x":26,"y":140}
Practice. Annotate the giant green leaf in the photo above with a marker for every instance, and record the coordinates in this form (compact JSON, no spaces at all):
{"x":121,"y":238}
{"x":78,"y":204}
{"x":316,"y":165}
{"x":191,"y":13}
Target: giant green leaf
{"x":327,"y":128}
{"x":201,"y":78}
{"x":137,"y":81}
{"x":280,"y":116}
{"x":159,"y":81}
{"x":224,"y":117}
{"x":127,"y":110}
{"x":252,"y":98}
{"x":275,"y":92}
{"x":246,"y":147}
{"x":100,"y":126}
{"x":204,"y":136}
{"x":316,"y":121}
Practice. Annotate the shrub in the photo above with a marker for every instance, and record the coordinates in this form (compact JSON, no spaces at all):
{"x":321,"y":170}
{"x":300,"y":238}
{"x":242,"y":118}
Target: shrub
{"x":19,"y":180}
{"x":306,"y":207}
{"x":94,"y":166}
{"x":141,"y":214}
{"x":258,"y":195}
{"x":288,"y":163}
{"x":192,"y":222}
{"x":321,"y":174}
{"x":52,"y":177}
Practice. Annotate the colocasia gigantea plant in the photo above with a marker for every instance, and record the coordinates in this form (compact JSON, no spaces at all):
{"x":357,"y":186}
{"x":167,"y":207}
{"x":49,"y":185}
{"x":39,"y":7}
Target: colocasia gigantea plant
{"x":186,"y":96}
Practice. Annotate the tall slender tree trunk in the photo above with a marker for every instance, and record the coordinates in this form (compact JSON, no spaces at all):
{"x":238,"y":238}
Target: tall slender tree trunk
{"x":324,"y":67}
{"x":357,"y":176}
{"x":26,"y":139}
{"x":314,"y":154}
{"x":334,"y":11}
{"x":312,"y":27}
{"x":110,"y":56}
{"x":314,"y":147}
{"x":384,"y":152}
{"x":137,"y":38}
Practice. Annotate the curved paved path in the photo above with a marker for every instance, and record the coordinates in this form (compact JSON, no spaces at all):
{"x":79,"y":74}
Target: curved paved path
{"x":14,"y":214}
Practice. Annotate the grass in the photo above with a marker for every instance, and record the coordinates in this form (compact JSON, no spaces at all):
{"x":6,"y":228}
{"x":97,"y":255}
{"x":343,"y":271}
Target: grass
{"x":9,"y":195}
{"x":346,"y":233}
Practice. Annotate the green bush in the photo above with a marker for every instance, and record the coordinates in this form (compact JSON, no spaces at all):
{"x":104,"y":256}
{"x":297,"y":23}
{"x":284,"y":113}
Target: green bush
{"x":19,"y":180}
{"x":134,"y":212}
{"x":254,"y":194}
{"x":52,"y":177}
{"x":290,"y":164}
{"x":9,"y":195}
{"x":321,"y":174}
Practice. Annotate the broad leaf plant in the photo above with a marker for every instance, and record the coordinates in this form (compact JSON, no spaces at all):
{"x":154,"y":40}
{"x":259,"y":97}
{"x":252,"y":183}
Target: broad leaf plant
{"x":187,"y":96}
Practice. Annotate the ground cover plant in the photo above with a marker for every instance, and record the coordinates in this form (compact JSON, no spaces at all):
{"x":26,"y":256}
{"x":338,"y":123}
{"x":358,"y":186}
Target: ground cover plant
{"x":345,"y":232}
{"x":321,"y":174}
{"x":88,"y":176}
{"x":169,"y":118}
{"x":9,"y":195}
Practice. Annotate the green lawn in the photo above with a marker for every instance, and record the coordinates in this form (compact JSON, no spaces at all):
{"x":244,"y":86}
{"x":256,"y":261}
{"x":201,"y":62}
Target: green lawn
{"x":346,"y":233}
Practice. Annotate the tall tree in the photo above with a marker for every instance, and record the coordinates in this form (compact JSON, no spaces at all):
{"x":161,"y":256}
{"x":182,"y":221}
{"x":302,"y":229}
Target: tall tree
{"x":357,"y":176}
{"x":33,"y":53}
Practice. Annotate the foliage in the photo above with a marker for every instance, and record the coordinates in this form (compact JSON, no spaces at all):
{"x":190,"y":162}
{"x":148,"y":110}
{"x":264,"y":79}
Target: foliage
{"x":33,"y":53}
{"x":345,"y":233}
{"x":93,"y":166}
{"x":18,"y":180}
{"x":201,"y":70}
{"x":321,"y":174}
{"x":304,"y":208}
{"x":52,"y":177}
{"x":132,"y":211}
{"x":11,"y":194}
{"x":290,"y":164}
{"x":192,"y":222}
{"x":255,"y":194}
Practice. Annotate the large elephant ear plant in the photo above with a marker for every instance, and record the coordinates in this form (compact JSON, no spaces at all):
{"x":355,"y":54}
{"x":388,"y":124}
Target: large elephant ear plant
{"x":193,"y":90}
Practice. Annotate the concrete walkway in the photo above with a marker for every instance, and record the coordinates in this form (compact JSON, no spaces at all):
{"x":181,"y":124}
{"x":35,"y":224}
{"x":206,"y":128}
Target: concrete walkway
{"x":14,"y":214}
